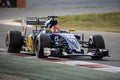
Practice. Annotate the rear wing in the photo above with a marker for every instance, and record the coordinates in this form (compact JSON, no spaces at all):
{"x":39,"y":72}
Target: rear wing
{"x":35,"y":20}
{"x":32,"y":21}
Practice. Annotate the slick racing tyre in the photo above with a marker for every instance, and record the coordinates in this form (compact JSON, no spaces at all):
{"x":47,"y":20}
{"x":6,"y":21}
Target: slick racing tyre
{"x":96,"y":42}
{"x":13,"y":41}
{"x":44,"y":41}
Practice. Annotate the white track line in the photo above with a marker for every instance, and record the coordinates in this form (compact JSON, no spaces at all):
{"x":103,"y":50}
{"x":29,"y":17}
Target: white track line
{"x":6,"y":21}
{"x":112,"y":69}
{"x":2,"y":50}
{"x":12,"y":23}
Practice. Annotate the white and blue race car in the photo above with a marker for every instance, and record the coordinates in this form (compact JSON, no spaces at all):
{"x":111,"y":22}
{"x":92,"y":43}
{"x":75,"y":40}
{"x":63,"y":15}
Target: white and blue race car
{"x":45,"y":42}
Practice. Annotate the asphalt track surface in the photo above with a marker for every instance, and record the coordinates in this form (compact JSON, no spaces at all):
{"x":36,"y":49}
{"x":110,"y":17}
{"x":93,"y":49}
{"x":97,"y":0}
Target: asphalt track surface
{"x":112,"y":41}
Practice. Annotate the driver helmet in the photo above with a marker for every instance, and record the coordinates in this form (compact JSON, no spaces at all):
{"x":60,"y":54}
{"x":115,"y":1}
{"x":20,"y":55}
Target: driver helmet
{"x":55,"y":29}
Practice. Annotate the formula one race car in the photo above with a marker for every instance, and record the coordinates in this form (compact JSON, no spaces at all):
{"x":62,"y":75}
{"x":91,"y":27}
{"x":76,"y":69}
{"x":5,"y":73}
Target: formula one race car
{"x":50,"y":40}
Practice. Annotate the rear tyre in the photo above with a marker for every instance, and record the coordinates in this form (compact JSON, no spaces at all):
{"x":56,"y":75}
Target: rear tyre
{"x":44,"y":41}
{"x":96,"y":42}
{"x":13,"y":41}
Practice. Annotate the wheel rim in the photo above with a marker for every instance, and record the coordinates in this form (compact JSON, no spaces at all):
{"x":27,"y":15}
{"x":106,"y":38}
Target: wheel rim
{"x":90,"y":43}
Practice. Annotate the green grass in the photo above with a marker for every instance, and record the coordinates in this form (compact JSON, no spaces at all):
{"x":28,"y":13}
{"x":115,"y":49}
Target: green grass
{"x":36,"y":69}
{"x":108,"y":22}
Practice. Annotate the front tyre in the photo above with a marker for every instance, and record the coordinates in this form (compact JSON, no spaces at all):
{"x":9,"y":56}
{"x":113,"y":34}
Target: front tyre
{"x":96,"y":42}
{"x":13,"y":41}
{"x":44,"y":41}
